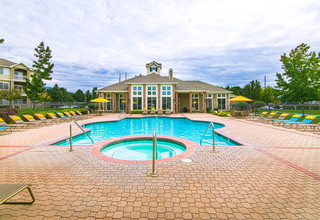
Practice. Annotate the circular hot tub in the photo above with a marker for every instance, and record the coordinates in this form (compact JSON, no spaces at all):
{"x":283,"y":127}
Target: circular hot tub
{"x":142,"y":149}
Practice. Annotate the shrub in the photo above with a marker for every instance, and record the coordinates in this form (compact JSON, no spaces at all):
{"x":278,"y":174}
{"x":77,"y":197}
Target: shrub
{"x":136,"y":112}
{"x":223,"y":114}
{"x":258,"y":104}
{"x":215,"y":113}
{"x":240,"y":106}
{"x":5,"y":112}
{"x":83,"y":111}
{"x":216,"y":109}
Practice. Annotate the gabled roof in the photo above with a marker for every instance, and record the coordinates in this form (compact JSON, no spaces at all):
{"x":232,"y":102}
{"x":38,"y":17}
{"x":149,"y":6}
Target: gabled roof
{"x":154,"y":63}
{"x":199,"y":86}
{"x":181,"y":86}
{"x":4,"y":62}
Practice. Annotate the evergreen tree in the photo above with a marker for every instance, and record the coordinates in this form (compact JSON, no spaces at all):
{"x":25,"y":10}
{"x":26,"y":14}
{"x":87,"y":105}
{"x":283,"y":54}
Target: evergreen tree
{"x":79,"y":96}
{"x":94,"y":93}
{"x":88,"y":96}
{"x":42,"y":69}
{"x":253,"y":90}
{"x":55,"y":93}
{"x":300,"y":81}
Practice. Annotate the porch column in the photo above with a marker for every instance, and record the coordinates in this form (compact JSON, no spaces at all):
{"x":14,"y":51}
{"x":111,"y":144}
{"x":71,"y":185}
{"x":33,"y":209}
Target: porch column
{"x":113,"y":102}
{"x":99,"y":106}
{"x":144,"y":97}
{"x":177,"y":103}
{"x":173,"y":98}
{"x":129,"y":99}
{"x":190,"y":102}
{"x":204,"y":102}
{"x":159,"y":101}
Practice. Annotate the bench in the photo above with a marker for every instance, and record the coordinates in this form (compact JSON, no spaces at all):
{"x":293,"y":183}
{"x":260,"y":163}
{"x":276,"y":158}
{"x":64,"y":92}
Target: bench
{"x":7,"y":191}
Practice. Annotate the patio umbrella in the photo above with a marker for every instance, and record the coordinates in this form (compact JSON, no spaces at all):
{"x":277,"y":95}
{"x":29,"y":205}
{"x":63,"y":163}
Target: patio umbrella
{"x":240,"y":99}
{"x":99,"y":100}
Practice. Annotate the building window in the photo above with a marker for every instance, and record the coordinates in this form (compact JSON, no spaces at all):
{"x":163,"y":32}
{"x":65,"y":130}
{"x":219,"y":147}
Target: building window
{"x":4,"y":102}
{"x":166,"y":97}
{"x":209,"y":101}
{"x":137,"y":103}
{"x":221,"y":99}
{"x":153,"y":69}
{"x":4,"y":71}
{"x":4,"y":85}
{"x":151,"y":102}
{"x":166,"y":103}
{"x":20,"y":75}
{"x":122,"y":100}
{"x":195,"y":102}
{"x":152,"y":97}
{"x":137,"y":98}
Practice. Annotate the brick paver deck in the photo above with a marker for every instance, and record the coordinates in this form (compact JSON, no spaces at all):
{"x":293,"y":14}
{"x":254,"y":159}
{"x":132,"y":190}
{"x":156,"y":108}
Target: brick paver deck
{"x":275,"y":175}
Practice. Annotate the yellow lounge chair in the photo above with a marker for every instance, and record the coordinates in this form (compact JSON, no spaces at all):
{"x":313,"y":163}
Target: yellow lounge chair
{"x":44,"y":119}
{"x":30,"y":118}
{"x":18,"y":120}
{"x":160,"y":111}
{"x":145,"y":111}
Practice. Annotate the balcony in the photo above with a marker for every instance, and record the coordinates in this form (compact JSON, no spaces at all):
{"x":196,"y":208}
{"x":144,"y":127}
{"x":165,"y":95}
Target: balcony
{"x":22,"y":78}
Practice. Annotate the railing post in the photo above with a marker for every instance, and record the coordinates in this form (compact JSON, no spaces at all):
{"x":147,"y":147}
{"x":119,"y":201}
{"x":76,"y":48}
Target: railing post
{"x":70,"y":137}
{"x":213,"y":141}
{"x":154,"y":143}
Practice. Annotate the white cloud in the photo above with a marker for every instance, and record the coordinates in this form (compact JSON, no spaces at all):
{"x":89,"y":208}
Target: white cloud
{"x":230,"y":42}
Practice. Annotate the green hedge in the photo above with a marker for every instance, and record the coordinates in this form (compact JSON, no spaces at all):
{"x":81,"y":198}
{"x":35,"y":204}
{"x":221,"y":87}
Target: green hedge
{"x":224,"y":114}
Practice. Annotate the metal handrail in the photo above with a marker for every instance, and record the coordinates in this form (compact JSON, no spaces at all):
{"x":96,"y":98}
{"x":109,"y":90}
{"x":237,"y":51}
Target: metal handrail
{"x":71,"y":133}
{"x":123,"y":112}
{"x":213,"y":144}
{"x":154,"y":150}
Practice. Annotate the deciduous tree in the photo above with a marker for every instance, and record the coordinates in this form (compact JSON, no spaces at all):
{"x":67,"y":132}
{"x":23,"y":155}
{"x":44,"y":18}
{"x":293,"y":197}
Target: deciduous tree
{"x":300,"y":81}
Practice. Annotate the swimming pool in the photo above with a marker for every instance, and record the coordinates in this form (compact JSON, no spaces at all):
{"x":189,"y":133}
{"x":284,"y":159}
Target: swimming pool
{"x":176,"y":127}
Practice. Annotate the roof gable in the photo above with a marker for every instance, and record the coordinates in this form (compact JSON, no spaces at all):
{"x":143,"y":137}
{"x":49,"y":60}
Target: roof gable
{"x":8,"y":63}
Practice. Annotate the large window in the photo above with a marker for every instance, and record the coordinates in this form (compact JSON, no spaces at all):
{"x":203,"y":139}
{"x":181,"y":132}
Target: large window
{"x":137,"y":98}
{"x":195,"y":102}
{"x":166,"y":97}
{"x":122,"y":100}
{"x":4,"y":85}
{"x":4,"y":71}
{"x":222,"y":101}
{"x":209,"y":101}
{"x":137,"y":103}
{"x":152,"y":97}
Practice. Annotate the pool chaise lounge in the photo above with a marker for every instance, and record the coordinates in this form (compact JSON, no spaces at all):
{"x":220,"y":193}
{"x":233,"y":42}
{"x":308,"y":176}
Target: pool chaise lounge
{"x":8,"y":191}
{"x":268,"y":118}
{"x":23,"y":124}
{"x":281,"y":117}
{"x":30,"y":118}
{"x":294,"y":118}
{"x":307,"y":120}
{"x":253,"y":118}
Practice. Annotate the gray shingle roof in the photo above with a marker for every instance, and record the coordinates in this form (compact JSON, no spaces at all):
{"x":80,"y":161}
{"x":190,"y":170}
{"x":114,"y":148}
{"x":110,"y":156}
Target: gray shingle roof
{"x":156,"y":78}
{"x":4,"y":62}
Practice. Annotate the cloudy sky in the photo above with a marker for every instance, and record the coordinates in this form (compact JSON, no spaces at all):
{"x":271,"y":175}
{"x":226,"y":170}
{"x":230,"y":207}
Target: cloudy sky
{"x":220,"y":42}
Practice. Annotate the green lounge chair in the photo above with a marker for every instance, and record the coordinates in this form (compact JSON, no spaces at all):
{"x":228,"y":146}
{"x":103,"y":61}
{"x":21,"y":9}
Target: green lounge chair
{"x":7,"y":191}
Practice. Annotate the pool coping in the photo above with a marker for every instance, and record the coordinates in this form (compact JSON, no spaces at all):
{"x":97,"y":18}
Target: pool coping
{"x":98,"y":146}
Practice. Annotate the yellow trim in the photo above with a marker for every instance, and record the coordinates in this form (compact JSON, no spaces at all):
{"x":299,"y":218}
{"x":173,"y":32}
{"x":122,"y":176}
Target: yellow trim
{"x":51,"y":114}
{"x":40,"y":115}
{"x":284,"y":115}
{"x":273,"y":113}
{"x":60,"y":113}
{"x":264,"y":113}
{"x":296,"y":116}
{"x":310,"y":117}
{"x":16,"y":118}
{"x":28,"y":116}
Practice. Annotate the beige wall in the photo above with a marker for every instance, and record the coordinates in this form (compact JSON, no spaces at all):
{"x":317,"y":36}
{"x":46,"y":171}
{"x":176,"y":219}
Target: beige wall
{"x":214,"y":100}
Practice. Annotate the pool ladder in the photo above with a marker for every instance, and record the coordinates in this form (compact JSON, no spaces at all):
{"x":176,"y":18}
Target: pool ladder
{"x":71,"y":133}
{"x":154,"y":153}
{"x":122,"y":113}
{"x":213,"y":144}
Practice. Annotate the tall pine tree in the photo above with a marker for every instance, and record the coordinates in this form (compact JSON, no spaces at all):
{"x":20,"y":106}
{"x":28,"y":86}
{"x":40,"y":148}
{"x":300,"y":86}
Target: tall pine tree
{"x":42,"y":69}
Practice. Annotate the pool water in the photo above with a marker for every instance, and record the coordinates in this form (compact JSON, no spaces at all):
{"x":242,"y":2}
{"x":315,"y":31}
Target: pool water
{"x":141,"y":149}
{"x":176,"y":127}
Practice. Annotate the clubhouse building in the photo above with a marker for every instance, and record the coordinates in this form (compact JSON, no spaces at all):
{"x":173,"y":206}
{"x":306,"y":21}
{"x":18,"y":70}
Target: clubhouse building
{"x":167,"y":92}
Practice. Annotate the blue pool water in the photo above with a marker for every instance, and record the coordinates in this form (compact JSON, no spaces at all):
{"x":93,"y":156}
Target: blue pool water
{"x":141,"y":149}
{"x":177,"y":127}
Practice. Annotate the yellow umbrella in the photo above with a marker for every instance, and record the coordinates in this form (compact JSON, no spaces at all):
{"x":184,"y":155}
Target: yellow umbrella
{"x":240,"y":99}
{"x":100,"y":100}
